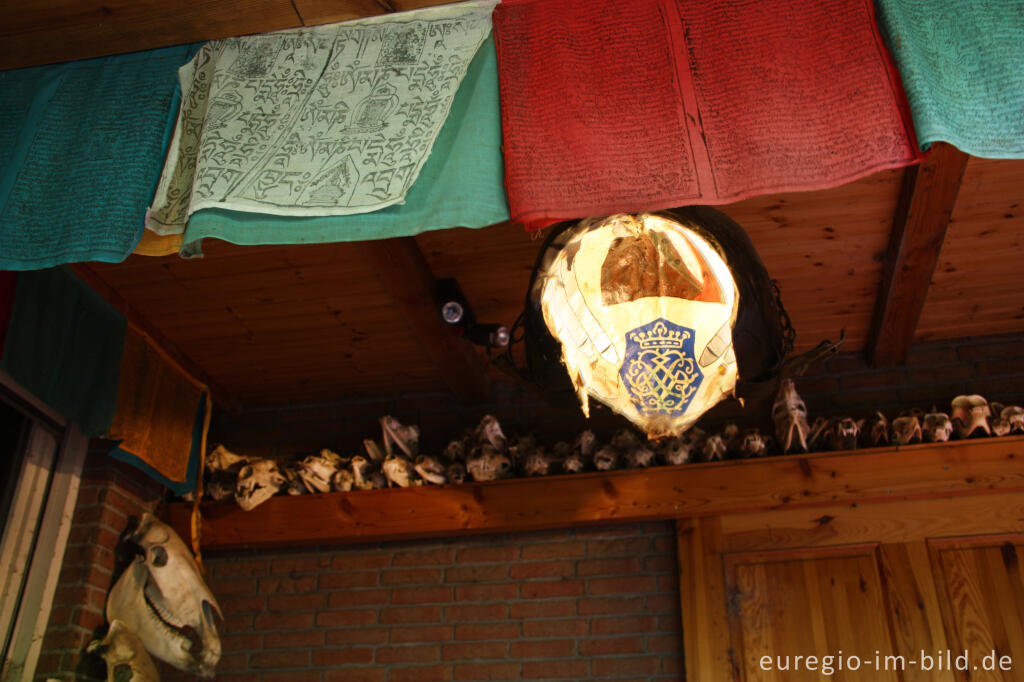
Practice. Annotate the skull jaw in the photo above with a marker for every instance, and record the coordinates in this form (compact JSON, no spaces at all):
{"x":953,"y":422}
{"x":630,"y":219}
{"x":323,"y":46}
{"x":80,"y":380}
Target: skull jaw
{"x":128,"y":602}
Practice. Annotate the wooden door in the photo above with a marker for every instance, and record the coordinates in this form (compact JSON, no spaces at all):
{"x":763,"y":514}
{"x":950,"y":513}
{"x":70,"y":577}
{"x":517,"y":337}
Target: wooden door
{"x":889,"y":592}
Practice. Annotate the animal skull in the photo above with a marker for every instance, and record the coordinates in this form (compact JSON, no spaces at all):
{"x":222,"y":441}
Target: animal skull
{"x":126,"y":657}
{"x":489,"y":431}
{"x":906,"y":429}
{"x":258,"y":481}
{"x":970,"y":414}
{"x":936,"y":427}
{"x":754,"y":444}
{"x":162,"y":598}
{"x":714,"y":447}
{"x":407,"y":438}
{"x":488,"y":464}
{"x":316,"y":471}
{"x":430,"y":469}
{"x":789,"y":414}
{"x":606,"y":458}
{"x":1014,"y":416}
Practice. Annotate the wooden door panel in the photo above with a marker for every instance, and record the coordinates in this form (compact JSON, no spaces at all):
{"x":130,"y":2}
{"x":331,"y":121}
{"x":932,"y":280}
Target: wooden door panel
{"x":982,"y":589}
{"x":808,"y":605}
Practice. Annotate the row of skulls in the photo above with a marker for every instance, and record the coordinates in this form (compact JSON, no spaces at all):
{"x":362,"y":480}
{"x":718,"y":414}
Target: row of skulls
{"x":484,"y":453}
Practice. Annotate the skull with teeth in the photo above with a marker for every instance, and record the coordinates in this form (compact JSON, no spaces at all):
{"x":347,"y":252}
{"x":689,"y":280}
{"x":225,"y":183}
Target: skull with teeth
{"x":606,"y":458}
{"x":970,"y":414}
{"x":486,"y":463}
{"x":430,"y":469}
{"x":1013,"y":415}
{"x":317,"y":470}
{"x":258,"y":481}
{"x":789,"y":414}
{"x":753,"y":444}
{"x":162,"y":598}
{"x":906,"y":429}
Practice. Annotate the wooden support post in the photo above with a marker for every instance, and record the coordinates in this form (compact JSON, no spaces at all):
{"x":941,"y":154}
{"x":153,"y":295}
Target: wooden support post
{"x":919,"y":228}
{"x":141,"y":323}
{"x":405,"y":273}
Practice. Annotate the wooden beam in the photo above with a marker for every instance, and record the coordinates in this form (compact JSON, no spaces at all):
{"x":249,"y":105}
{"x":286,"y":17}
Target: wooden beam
{"x":405,"y":274}
{"x":695,"y":490}
{"x":142,"y":324}
{"x":919,"y":227}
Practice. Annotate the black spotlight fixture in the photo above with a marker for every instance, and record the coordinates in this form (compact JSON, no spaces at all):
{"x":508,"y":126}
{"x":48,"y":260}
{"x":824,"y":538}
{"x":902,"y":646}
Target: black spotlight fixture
{"x":455,"y":310}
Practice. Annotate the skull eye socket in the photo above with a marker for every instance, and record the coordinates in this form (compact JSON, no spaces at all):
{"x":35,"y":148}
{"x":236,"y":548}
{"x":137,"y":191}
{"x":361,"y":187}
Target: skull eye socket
{"x":504,"y":465}
{"x":158,"y":556}
{"x":246,"y":472}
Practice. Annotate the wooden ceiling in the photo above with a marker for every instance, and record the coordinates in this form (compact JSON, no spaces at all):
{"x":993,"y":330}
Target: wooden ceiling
{"x":279,"y":325}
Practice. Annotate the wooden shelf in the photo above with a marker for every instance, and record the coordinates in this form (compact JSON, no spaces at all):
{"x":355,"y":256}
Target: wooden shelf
{"x":877,"y":475}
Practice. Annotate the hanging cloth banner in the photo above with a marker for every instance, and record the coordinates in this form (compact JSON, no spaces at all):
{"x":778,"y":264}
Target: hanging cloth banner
{"x":329,"y":120}
{"x":963,"y":67}
{"x":460,"y":185}
{"x":611,"y":107}
{"x":156,"y":410}
{"x":81,"y":146}
{"x":64,"y":346}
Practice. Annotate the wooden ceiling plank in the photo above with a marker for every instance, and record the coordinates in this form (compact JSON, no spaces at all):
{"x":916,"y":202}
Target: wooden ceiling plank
{"x":404,"y":272}
{"x":141,"y":323}
{"x":919,"y":227}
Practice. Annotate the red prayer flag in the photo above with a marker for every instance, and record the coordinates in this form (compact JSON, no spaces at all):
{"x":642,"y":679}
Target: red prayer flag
{"x":610,"y":106}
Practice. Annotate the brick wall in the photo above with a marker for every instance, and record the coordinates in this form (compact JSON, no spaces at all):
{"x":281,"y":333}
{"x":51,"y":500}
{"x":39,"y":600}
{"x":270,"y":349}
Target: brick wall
{"x":112,"y":495}
{"x":573,"y":604}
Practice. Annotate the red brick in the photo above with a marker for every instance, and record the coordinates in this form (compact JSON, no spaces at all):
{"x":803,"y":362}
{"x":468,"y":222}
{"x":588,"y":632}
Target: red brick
{"x":289,"y":676}
{"x":623,"y":625}
{"x":296,"y":602}
{"x":346,"y":617}
{"x":474,"y":651}
{"x":432,"y":557}
{"x":552,"y":588}
{"x":611,"y":531}
{"x":631,"y":546}
{"x":874,"y":379}
{"x":345,"y":656}
{"x":665,"y":644}
{"x":554,"y":628}
{"x":308,"y":564}
{"x":662,"y":602}
{"x":242,"y":641}
{"x":294,"y":640}
{"x":486,"y":592}
{"x":357,"y":635}
{"x":357,"y":562}
{"x":555,"y":669}
{"x":421,"y":595}
{"x":612,"y":645}
{"x":662,"y":562}
{"x":624,"y":566}
{"x":543,"y":569}
{"x":411,"y":614}
{"x":414,"y":653}
{"x":931,"y":356}
{"x":284,"y":621}
{"x":487,"y":631}
{"x":421,"y":673}
{"x":481,"y":573}
{"x":239,"y":568}
{"x":468,"y":613}
{"x":487,"y":671}
{"x":633,"y":584}
{"x":608,"y":667}
{"x":411,"y":576}
{"x":670,"y":623}
{"x":337,"y":581}
{"x":554,"y":550}
{"x":279,"y":659}
{"x":340,"y":600}
{"x":421,"y":634}
{"x":282,"y":585}
{"x":471,"y":555}
{"x":241,"y":622}
{"x":543,"y":609}
{"x":372,"y":674}
{"x":673,"y":665}
{"x":552,"y":648}
{"x":235,"y":604}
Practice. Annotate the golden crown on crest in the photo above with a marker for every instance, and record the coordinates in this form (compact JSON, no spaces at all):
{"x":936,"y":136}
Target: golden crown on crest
{"x":659,"y":336}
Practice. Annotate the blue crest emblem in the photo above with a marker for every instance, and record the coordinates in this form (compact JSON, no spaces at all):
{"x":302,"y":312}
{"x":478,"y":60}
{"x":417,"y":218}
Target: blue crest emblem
{"x":660,"y":370}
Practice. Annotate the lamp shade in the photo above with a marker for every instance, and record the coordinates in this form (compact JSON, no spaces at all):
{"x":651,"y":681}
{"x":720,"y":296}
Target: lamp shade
{"x":644,"y":307}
